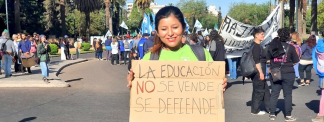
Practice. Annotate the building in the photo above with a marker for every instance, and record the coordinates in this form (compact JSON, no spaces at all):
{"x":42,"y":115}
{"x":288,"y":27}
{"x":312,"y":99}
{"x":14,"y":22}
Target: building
{"x":213,"y":10}
{"x":154,"y":6}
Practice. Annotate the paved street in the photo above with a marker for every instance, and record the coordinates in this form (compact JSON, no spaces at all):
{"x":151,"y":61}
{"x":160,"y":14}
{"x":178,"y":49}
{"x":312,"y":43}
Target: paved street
{"x":98,"y":93}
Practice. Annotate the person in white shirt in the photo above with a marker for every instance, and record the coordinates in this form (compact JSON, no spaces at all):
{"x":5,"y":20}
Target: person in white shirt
{"x":114,"y":52}
{"x":16,"y":57}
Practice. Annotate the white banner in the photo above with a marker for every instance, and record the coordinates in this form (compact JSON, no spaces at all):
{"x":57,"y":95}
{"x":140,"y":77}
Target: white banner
{"x":238,"y":36}
{"x":123,"y":25}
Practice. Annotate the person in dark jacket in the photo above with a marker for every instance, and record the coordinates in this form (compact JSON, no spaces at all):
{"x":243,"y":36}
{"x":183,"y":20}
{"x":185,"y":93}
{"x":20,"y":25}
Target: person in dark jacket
{"x":216,"y":46}
{"x":149,"y":43}
{"x":94,"y":46}
{"x":108,"y":47}
{"x":24,"y":47}
{"x":99,"y":49}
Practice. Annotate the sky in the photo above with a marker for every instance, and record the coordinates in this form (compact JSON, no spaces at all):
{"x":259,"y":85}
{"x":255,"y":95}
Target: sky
{"x":224,"y":4}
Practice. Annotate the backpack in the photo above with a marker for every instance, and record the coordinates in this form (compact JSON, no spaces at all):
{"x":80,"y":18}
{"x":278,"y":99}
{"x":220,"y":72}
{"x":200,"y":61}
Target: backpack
{"x":247,"y":64}
{"x":126,"y":44}
{"x":197,"y":49}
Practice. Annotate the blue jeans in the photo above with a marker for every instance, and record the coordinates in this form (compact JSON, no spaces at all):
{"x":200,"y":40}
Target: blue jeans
{"x":7,"y":60}
{"x":45,"y":69}
{"x":232,"y":68}
{"x":99,"y":54}
{"x":296,"y":70}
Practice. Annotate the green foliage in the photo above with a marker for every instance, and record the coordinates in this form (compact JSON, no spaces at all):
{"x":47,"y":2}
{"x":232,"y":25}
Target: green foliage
{"x":192,"y":10}
{"x":320,"y":16}
{"x":85,"y":46}
{"x":135,"y":19}
{"x":246,"y":12}
{"x":308,"y":20}
{"x":208,"y":21}
{"x":54,"y":49}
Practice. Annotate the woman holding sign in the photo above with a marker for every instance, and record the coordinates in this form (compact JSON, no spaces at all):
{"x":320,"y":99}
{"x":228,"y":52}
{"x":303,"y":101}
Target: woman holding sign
{"x":168,"y":46}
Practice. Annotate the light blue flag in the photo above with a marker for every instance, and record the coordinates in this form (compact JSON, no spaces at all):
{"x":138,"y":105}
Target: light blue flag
{"x":146,"y":24}
{"x":187,"y":25}
{"x":153,"y":18}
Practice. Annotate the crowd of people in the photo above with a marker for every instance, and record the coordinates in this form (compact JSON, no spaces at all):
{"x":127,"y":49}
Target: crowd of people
{"x":287,"y":52}
{"x":22,"y":47}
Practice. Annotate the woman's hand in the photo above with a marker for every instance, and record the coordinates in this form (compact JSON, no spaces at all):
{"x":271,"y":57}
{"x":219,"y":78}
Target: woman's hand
{"x":224,"y":84}
{"x":130,"y":78}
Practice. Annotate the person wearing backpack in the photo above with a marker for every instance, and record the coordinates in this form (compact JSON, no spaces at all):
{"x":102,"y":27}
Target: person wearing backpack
{"x":296,"y":42}
{"x":200,"y":39}
{"x":306,"y":62}
{"x":168,"y":46}
{"x":318,"y":63}
{"x":261,"y":91}
{"x":216,"y":46}
{"x":7,"y":50}
{"x":149,"y":43}
{"x":282,"y":73}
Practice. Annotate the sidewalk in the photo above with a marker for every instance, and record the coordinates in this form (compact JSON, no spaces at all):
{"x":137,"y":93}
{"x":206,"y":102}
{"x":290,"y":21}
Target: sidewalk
{"x":35,"y":79}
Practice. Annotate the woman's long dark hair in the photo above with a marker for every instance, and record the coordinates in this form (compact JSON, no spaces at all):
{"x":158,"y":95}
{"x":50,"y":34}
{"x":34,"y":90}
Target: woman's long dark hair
{"x":214,"y":36}
{"x":165,"y":12}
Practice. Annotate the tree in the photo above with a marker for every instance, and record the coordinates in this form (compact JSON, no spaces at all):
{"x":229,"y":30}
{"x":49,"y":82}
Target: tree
{"x":320,"y":17}
{"x":314,"y":16}
{"x":282,"y":2}
{"x":62,"y":12}
{"x":143,"y":4}
{"x":170,"y":4}
{"x":193,"y":10}
{"x":108,"y":16}
{"x":209,"y":20}
{"x":17,"y":16}
{"x":87,"y":6}
{"x":249,"y":13}
{"x":135,"y":19}
{"x":292,"y":14}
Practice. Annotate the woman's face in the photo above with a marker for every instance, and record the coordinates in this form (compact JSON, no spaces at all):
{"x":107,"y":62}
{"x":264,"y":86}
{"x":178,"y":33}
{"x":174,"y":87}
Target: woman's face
{"x":260,"y":36}
{"x":18,"y":36}
{"x":170,"y":32}
{"x":43,"y":39}
{"x":207,"y":38}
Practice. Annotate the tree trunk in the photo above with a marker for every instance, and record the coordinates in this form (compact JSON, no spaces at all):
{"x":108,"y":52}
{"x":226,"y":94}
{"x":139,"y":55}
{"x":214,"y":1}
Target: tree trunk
{"x":87,"y":25}
{"x":282,"y":14}
{"x":314,"y":16}
{"x":300,"y":17}
{"x":304,"y":4}
{"x":107,"y":4}
{"x":62,"y":11}
{"x":17,"y":16}
{"x":292,"y":14}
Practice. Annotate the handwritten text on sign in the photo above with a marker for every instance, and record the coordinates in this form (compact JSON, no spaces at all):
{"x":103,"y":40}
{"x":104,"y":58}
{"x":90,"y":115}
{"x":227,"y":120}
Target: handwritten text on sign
{"x":177,"y":91}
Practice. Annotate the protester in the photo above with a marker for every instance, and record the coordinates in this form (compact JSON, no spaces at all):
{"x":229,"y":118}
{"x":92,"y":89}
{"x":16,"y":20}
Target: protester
{"x":43,"y":49}
{"x":99,"y":49}
{"x":306,"y":62}
{"x":207,"y":42}
{"x":95,"y":46}
{"x":140,"y":47}
{"x":67,"y":47}
{"x":127,"y":48}
{"x":24,"y":47}
{"x":33,"y":48}
{"x":200,"y":39}
{"x":19,"y":37}
{"x":108,"y":47}
{"x":121,"y":47}
{"x":283,"y":56}
{"x":169,"y":26}
{"x":8,"y":51}
{"x":62,"y":45}
{"x":296,"y":42}
{"x":318,"y":62}
{"x":261,"y":91}
{"x":216,"y":46}
{"x":114,"y":51}
{"x":17,"y":66}
{"x":193,"y":39}
{"x":149,"y":43}
{"x":135,"y":45}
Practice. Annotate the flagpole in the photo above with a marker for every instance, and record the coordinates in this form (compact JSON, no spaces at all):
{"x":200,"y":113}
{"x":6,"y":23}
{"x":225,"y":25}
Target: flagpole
{"x":221,"y":26}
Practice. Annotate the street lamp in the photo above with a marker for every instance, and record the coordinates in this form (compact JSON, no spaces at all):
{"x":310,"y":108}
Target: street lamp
{"x":71,"y":2}
{"x":7,"y":15}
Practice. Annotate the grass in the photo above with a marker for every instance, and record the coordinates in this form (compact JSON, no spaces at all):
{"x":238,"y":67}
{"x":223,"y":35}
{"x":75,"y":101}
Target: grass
{"x":74,"y":52}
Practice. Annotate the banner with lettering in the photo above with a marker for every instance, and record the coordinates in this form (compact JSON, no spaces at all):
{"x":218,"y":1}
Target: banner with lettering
{"x":177,"y":91}
{"x":238,"y":36}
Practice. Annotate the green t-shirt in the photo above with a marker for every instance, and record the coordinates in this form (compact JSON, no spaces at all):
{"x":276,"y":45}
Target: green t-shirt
{"x":183,"y":54}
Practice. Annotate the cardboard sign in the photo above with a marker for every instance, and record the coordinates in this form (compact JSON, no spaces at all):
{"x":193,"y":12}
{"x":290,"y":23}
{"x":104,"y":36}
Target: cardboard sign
{"x":177,"y":91}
